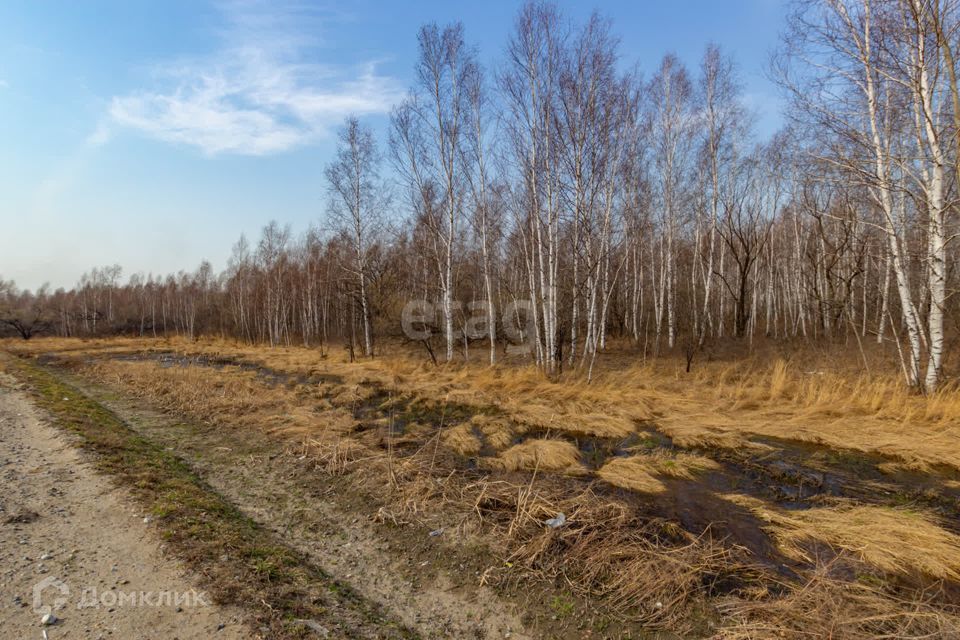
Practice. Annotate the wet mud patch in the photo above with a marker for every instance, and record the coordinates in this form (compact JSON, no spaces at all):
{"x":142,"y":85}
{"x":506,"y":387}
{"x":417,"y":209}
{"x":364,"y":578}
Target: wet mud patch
{"x":797,"y":474}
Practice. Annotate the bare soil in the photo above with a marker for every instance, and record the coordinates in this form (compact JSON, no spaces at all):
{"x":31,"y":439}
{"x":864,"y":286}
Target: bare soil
{"x":61,"y":520}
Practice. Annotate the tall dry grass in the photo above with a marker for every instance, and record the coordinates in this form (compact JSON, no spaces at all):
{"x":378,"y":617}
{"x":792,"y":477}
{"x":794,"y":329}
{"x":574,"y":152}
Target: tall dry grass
{"x":232,"y":398}
{"x":825,"y":607}
{"x":895,"y":540}
{"x":721,"y":404}
{"x":607,"y":551}
{"x":540,"y":454}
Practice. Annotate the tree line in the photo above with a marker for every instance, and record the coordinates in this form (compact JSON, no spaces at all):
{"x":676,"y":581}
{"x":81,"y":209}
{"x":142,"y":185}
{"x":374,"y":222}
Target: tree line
{"x":612,"y":204}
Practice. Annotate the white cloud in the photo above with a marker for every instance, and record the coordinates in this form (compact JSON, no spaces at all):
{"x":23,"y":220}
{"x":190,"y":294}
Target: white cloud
{"x":261,"y":92}
{"x":99,"y":136}
{"x":4,"y":84}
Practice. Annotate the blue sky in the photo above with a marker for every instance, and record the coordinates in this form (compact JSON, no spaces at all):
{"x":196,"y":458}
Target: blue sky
{"x":151,"y":134}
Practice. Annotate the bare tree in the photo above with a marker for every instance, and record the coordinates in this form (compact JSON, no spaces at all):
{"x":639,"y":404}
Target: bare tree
{"x":429,"y":136}
{"x":25,"y":312}
{"x":670,"y":94}
{"x":476,"y":149}
{"x":529,"y":84}
{"x":723,"y":118}
{"x":833,"y":66}
{"x":358,"y":198}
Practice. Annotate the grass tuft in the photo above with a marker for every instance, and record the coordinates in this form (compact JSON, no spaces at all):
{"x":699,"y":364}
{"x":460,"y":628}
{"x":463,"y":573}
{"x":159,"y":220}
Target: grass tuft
{"x":633,"y":473}
{"x":894,"y":540}
{"x":540,"y":454}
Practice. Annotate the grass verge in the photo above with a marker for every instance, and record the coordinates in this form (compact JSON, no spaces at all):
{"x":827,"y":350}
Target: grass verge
{"x":241,"y":563}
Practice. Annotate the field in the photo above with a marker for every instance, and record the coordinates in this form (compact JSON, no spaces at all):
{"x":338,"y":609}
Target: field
{"x":770,"y":496}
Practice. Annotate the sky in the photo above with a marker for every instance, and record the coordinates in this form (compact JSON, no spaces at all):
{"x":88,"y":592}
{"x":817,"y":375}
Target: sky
{"x":152,"y":134}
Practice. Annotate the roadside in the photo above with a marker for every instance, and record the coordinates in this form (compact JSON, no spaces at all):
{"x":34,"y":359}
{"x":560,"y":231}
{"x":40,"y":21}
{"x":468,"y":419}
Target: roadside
{"x":239,"y":563}
{"x":425,"y":571}
{"x":407,"y":574}
{"x":67,"y":532}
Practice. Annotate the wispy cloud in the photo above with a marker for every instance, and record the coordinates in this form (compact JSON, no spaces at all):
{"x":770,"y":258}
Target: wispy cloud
{"x":99,"y":136}
{"x":263,"y":91}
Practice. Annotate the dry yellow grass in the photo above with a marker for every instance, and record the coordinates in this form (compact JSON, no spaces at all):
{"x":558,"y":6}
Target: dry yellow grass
{"x":462,"y":440}
{"x":719,"y":405}
{"x":898,"y":541}
{"x":702,"y":431}
{"x":499,"y":433}
{"x":631,"y":473}
{"x":877,"y":414}
{"x":679,"y":465}
{"x":352,"y":395}
{"x":229,"y":397}
{"x":827,"y":608}
{"x":542,"y":455}
{"x":639,"y":472}
{"x":86,"y":346}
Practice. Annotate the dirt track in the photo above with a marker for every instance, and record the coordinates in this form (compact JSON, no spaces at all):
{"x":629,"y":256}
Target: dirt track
{"x":61,"y":521}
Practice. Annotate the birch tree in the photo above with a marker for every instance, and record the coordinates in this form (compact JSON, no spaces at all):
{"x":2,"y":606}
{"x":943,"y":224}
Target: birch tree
{"x":529,"y":84}
{"x":670,"y":95}
{"x":478,"y":138}
{"x":831,"y":66}
{"x":358,"y":198}
{"x":722,"y":117}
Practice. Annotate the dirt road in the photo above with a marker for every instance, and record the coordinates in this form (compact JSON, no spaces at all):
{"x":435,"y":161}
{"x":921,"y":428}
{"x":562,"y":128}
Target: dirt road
{"x":72,"y":542}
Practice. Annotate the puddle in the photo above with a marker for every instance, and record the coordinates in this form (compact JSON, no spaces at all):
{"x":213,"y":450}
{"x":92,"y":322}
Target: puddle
{"x":800,"y":471}
{"x":696,"y":506}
